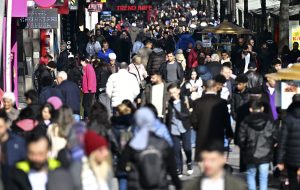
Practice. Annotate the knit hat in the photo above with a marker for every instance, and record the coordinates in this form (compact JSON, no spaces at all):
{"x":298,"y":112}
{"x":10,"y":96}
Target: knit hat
{"x":112,"y":56}
{"x":93,"y":141}
{"x":55,"y":102}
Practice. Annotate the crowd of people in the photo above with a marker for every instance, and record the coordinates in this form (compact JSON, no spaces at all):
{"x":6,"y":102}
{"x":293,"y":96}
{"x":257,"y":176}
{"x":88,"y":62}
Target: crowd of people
{"x":135,"y":96}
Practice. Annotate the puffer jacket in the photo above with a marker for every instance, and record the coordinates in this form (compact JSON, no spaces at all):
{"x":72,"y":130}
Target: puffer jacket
{"x":156,"y":59}
{"x":254,"y":79}
{"x":257,"y":137}
{"x":289,"y":145}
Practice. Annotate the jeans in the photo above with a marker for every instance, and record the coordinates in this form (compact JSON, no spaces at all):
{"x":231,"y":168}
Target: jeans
{"x":292,"y":175}
{"x":123,"y":183}
{"x":263,"y":170}
{"x":193,"y":138}
{"x":185,"y":138}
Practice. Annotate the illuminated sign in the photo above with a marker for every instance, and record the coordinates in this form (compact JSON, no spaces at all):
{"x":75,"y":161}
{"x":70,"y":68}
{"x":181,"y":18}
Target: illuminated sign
{"x":134,"y":7}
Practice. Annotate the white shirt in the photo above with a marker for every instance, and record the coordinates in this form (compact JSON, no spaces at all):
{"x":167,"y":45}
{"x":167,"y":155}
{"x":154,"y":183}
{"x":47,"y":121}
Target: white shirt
{"x":247,"y":61}
{"x":211,"y":184}
{"x":157,"y":98}
{"x":38,"y":180}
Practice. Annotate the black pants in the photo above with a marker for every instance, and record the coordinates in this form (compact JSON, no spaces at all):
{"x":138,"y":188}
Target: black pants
{"x":292,"y":175}
{"x":87,"y":101}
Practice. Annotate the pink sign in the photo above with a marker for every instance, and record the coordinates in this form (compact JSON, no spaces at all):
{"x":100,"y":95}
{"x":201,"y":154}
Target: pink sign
{"x":45,"y":3}
{"x":19,"y":8}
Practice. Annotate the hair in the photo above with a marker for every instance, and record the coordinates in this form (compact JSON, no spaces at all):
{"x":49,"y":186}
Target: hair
{"x":123,"y":109}
{"x":214,"y":146}
{"x":64,"y":121}
{"x":173,"y":85}
{"x":129,"y":104}
{"x":63,"y":75}
{"x":10,"y":96}
{"x":215,"y":57}
{"x":99,"y":115}
{"x":104,"y":42}
{"x":36,"y":137}
{"x":52,"y":111}
{"x":170,"y":52}
{"x":134,"y":59}
{"x":3,"y":115}
{"x":152,"y":108}
{"x":72,"y":62}
{"x":32,"y":95}
{"x":123,"y":65}
{"x":26,"y":113}
{"x":224,"y":51}
{"x":210,"y":84}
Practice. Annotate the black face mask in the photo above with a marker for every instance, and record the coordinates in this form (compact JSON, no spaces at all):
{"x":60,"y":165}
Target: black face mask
{"x":37,"y":166}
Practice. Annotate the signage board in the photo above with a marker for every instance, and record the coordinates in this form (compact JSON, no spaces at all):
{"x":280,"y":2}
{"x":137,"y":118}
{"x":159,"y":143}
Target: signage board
{"x":134,"y":7}
{"x":73,"y":5}
{"x":95,"y":7}
{"x":40,"y":19}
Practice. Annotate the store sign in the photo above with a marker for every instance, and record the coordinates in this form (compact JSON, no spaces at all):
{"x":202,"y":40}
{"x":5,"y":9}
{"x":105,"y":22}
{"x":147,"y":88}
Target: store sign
{"x":40,"y":19}
{"x":296,"y":35}
{"x":73,"y":4}
{"x":95,"y":7}
{"x":134,"y":7}
{"x":45,"y":3}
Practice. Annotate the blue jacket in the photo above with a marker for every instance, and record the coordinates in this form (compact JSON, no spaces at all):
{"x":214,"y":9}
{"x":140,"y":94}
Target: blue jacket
{"x":71,"y":95}
{"x":15,"y":149}
{"x":104,"y":56}
{"x":48,"y":92}
{"x":184,"y":41}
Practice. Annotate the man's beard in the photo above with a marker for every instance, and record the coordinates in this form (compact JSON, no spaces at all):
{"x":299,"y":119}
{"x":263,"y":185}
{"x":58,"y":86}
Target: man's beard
{"x":37,"y":166}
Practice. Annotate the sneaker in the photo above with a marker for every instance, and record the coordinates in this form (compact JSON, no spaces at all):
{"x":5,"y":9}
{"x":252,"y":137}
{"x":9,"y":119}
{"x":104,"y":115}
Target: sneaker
{"x":179,"y":173}
{"x":190,"y":170}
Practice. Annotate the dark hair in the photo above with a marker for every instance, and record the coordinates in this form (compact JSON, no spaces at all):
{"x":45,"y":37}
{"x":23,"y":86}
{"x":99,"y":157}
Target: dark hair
{"x":130,"y":105}
{"x":52,"y":111}
{"x":104,"y":42}
{"x":224,"y":51}
{"x":99,"y":114}
{"x":170,"y":52}
{"x":256,"y":105}
{"x":32,"y":95}
{"x":173,"y":85}
{"x":3,"y":115}
{"x":227,"y":64}
{"x":26,"y":113}
{"x":214,"y":146}
{"x":36,"y":136}
{"x":152,"y":108}
{"x":51,"y":64}
{"x":155,"y":72}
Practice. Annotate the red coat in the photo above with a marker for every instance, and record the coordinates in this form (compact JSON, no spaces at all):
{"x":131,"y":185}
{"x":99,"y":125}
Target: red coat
{"x":89,"y":81}
{"x":193,"y":59}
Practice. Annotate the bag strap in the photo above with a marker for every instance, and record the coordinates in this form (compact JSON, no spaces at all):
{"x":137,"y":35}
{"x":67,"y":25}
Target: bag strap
{"x":138,"y":72}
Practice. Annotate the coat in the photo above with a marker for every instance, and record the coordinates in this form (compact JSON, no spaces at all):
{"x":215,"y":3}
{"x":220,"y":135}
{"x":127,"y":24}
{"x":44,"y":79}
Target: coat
{"x":231,"y":183}
{"x":183,"y":115}
{"x":48,"y":92}
{"x":122,"y":85}
{"x":89,"y":81}
{"x":62,"y":61}
{"x":71,"y":94}
{"x":193,"y":59}
{"x":214,"y":68}
{"x":257,"y":137}
{"x":104,"y":55}
{"x":210,"y":118}
{"x":254,"y":79}
{"x":289,"y":144}
{"x":164,"y":72}
{"x":156,"y":59}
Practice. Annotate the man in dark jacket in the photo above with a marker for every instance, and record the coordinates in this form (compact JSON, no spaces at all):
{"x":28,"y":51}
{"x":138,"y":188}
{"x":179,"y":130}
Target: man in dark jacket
{"x":70,"y":92}
{"x":39,"y":172}
{"x":257,"y":137}
{"x":32,"y":100}
{"x":178,"y":122}
{"x":62,"y":61}
{"x":156,"y":59}
{"x":172,"y":71}
{"x":289,"y":145}
{"x":254,"y":78}
{"x":243,"y":61}
{"x":13,"y":147}
{"x":294,"y":53}
{"x":48,"y":91}
{"x":214,"y":176}
{"x":204,"y":121}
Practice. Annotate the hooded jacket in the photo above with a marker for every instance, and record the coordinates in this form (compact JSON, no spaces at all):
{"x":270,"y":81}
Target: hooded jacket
{"x":289,"y":145}
{"x":257,"y":136}
{"x":156,"y":59}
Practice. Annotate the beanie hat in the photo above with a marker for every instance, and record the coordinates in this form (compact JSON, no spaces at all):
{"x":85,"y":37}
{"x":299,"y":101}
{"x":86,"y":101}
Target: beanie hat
{"x":55,"y":102}
{"x":93,"y":141}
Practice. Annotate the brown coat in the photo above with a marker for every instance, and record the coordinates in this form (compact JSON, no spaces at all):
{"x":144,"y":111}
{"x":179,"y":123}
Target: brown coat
{"x":231,"y":183}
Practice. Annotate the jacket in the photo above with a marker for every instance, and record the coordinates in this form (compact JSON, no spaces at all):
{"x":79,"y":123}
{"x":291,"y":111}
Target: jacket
{"x":179,"y":71}
{"x":289,"y":144}
{"x":62,"y":61}
{"x":238,"y":99}
{"x":183,"y":115}
{"x":231,"y":183}
{"x":92,"y":48}
{"x":71,"y":94}
{"x":257,"y":137}
{"x":104,"y":55}
{"x":122,"y":85}
{"x":48,"y":92}
{"x":57,"y":178}
{"x":130,"y":162}
{"x":214,"y":68}
{"x":156,"y":59}
{"x":193,"y":59}
{"x":89,"y":81}
{"x":139,"y":71}
{"x":254,"y":79}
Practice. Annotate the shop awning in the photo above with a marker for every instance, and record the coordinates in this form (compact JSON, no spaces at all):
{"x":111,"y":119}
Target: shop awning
{"x":292,"y":73}
{"x":227,"y":28}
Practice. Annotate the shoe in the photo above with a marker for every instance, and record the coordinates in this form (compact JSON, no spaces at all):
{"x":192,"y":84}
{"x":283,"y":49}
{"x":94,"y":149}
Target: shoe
{"x":190,"y":170}
{"x":179,"y":173}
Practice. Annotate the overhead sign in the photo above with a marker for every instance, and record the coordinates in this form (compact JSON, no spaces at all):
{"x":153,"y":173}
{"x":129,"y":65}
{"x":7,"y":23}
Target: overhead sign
{"x":73,"y":4}
{"x":134,"y":7}
{"x":40,"y":19}
{"x":296,"y":35}
{"x":95,"y":7}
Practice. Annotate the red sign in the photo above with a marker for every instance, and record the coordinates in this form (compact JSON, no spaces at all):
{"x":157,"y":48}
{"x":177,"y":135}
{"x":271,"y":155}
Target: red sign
{"x":134,"y":7}
{"x":95,"y":7}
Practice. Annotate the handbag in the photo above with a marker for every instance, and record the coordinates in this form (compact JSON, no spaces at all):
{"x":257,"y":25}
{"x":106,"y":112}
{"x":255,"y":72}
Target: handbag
{"x":142,"y":82}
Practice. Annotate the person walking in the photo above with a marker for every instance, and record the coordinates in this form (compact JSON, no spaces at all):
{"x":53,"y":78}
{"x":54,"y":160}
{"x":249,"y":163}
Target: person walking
{"x":93,"y":47}
{"x":88,"y":85}
{"x":172,"y":71}
{"x":257,"y":137}
{"x":62,"y":60}
{"x":178,"y":122}
{"x":203,"y":118}
{"x":289,"y":144}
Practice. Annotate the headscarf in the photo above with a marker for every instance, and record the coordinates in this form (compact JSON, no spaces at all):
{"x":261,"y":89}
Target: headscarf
{"x":144,"y":120}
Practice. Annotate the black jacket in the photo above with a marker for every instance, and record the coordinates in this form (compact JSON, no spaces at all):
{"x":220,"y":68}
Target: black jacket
{"x":257,"y":137}
{"x":254,"y":79}
{"x":164,"y":72}
{"x":62,"y":61}
{"x":71,"y":95}
{"x":183,"y":115}
{"x":130,"y":163}
{"x":289,"y":145}
{"x":48,"y":92}
{"x":156,"y":59}
{"x":238,"y":99}
{"x":214,"y":68}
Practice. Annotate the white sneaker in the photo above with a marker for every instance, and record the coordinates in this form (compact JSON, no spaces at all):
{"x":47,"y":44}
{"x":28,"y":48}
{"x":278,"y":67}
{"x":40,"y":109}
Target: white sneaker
{"x":190,"y":172}
{"x":180,"y":175}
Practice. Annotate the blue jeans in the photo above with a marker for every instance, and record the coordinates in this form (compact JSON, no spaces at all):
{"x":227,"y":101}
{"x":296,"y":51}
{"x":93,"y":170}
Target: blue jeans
{"x":122,"y":183}
{"x":263,"y":170}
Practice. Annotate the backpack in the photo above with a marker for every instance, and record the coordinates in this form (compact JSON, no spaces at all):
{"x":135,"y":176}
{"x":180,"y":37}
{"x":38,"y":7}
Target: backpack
{"x":151,"y":167}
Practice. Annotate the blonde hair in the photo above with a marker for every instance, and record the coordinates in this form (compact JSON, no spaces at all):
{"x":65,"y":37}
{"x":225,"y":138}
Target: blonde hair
{"x":123,"y":109}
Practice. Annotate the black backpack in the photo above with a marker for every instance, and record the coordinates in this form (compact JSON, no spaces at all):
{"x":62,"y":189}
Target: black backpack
{"x":151,"y":166}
